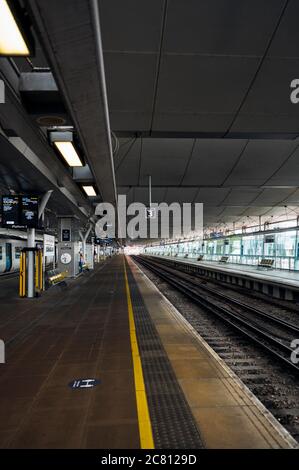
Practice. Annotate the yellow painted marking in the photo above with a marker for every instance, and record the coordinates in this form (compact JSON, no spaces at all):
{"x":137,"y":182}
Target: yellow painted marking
{"x":144,"y":421}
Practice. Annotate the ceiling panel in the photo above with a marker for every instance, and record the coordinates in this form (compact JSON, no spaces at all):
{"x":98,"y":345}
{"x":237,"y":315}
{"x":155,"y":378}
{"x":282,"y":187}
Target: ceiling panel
{"x":212,"y":160}
{"x":259,"y":161}
{"x":130,"y":82}
{"x":272,"y":196}
{"x":220,"y":26}
{"x":191,"y":84}
{"x":127,"y":164}
{"x":165,"y":160}
{"x":241,"y":197}
{"x":131,"y":25}
{"x":212,"y":196}
{"x":268,"y":107}
{"x":256,"y":211}
{"x":293,"y":198}
{"x":232,"y":210}
{"x":123,"y":190}
{"x":286,"y":40}
{"x":209,"y":211}
{"x":180,"y":195}
{"x":288,"y":173}
{"x":141,"y":195}
{"x":158,"y":195}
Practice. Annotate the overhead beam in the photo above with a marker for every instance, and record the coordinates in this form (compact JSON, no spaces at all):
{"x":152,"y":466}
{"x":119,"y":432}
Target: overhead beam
{"x":70,"y":35}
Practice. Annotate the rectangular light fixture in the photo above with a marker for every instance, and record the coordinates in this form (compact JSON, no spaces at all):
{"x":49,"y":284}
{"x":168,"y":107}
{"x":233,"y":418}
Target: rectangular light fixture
{"x":90,"y":191}
{"x":12,"y":41}
{"x":67,"y":150}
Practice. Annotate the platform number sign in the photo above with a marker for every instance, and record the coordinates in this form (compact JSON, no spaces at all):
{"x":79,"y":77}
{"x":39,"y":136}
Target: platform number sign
{"x":83,"y":383}
{"x":150,"y":212}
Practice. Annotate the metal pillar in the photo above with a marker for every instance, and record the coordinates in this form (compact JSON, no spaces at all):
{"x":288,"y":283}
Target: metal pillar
{"x":30,"y":272}
{"x":84,"y":239}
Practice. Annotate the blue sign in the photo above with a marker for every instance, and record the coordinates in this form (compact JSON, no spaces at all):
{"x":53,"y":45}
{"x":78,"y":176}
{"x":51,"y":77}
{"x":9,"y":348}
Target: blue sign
{"x":84,"y":383}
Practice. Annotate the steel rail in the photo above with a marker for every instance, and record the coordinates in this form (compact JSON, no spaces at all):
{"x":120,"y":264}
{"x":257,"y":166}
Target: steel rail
{"x":237,"y":321}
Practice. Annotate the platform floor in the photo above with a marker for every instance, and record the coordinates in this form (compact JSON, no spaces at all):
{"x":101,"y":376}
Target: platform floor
{"x":285,"y":278}
{"x":158,"y":379}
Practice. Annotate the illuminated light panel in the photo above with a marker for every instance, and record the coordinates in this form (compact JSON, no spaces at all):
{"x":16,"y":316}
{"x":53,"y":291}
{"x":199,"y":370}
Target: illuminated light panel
{"x":89,"y":190}
{"x":69,"y":153}
{"x":11,"y":40}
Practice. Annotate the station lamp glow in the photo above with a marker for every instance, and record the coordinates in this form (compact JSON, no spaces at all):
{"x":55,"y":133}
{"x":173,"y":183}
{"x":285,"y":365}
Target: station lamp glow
{"x":15,"y":39}
{"x":63,"y":142}
{"x":89,"y":190}
{"x":67,"y":150}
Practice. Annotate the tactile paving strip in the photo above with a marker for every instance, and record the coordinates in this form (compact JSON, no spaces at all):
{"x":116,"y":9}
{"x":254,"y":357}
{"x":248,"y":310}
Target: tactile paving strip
{"x":172,"y":421}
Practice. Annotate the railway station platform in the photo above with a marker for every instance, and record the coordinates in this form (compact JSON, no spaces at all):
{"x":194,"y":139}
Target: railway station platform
{"x":277,"y":283}
{"x":109,"y":363}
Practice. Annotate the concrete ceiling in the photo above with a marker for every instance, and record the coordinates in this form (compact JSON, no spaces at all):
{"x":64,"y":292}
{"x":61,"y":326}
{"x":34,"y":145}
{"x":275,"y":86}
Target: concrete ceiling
{"x":27,"y":162}
{"x":71,"y":38}
{"x":199,"y":96}
{"x":32,"y":177}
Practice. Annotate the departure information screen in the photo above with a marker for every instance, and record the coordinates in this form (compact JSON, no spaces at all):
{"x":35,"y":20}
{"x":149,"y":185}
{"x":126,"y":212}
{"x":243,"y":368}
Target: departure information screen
{"x":29,"y":211}
{"x":10,"y":211}
{"x":19,"y":211}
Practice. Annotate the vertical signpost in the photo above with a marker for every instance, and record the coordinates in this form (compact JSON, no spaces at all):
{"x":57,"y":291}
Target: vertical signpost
{"x":2,"y":92}
{"x":29,"y":219}
{"x":49,"y":251}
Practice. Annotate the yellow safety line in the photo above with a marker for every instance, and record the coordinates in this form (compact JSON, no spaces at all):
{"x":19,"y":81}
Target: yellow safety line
{"x":144,"y":421}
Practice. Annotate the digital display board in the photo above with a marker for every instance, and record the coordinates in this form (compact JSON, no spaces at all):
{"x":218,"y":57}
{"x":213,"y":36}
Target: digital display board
{"x":10,"y":211}
{"x":19,"y":211}
{"x":29,"y":211}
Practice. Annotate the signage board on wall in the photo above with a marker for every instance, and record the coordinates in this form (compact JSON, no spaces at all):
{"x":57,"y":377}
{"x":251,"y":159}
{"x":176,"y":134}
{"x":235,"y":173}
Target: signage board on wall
{"x":49,"y":245}
{"x":66,"y":235}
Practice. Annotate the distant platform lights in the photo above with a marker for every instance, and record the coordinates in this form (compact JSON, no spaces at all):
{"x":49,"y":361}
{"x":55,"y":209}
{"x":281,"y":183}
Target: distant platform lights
{"x":15,"y":35}
{"x":89,"y":190}
{"x":64,"y":143}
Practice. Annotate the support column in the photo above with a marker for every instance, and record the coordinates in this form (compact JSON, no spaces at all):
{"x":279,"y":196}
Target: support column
{"x":30,"y":270}
{"x":68,"y":246}
{"x":84,"y":238}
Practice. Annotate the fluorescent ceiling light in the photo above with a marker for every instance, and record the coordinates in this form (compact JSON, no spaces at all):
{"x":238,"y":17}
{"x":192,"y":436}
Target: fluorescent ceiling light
{"x":11,"y":39}
{"x":89,"y":190}
{"x":69,"y":153}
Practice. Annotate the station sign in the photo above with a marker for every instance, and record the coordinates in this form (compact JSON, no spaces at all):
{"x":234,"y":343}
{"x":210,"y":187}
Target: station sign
{"x":19,"y":211}
{"x":66,"y":235}
{"x":150,"y":213}
{"x":103,"y":241}
{"x":269,"y":238}
{"x":49,"y":245}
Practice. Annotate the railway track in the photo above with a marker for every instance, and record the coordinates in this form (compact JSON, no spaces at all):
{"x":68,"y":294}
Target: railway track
{"x":254,"y":295}
{"x":274,"y":384}
{"x":269,"y":332}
